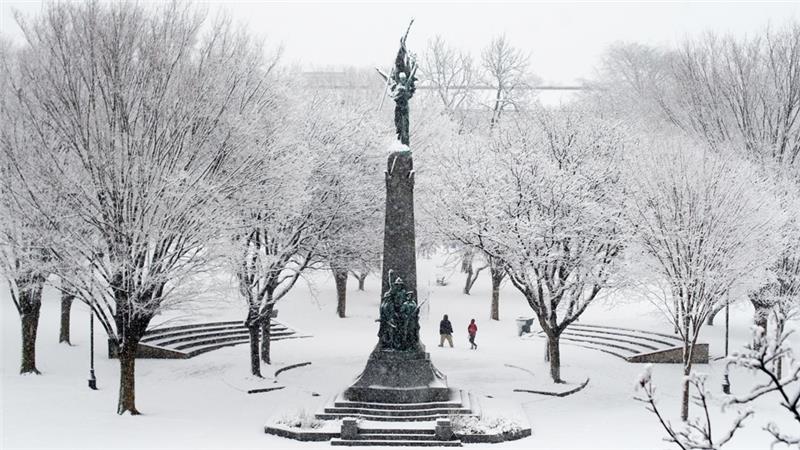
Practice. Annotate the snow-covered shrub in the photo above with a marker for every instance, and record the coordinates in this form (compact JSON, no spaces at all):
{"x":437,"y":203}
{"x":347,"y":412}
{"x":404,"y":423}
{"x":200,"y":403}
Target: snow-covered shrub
{"x":300,"y":419}
{"x":484,"y":425}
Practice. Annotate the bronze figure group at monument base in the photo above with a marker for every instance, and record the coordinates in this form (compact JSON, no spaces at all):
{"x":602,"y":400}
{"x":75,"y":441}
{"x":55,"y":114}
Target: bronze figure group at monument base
{"x":399,"y":317}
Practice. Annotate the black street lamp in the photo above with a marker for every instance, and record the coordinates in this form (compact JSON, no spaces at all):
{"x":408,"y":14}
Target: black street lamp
{"x":92,"y":379}
{"x":726,"y":382}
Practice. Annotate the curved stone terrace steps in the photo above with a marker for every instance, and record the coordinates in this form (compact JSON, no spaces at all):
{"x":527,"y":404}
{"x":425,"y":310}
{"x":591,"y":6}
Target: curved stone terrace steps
{"x":630,"y":344}
{"x":187,"y":341}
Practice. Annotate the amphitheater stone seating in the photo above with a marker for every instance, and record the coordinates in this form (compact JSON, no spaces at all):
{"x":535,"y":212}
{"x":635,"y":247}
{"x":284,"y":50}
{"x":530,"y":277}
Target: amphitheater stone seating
{"x":187,"y":341}
{"x":632,"y":345}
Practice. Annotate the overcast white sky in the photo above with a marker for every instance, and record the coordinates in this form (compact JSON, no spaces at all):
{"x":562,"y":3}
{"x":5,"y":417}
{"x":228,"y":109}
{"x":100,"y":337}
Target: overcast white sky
{"x":565,"y":40}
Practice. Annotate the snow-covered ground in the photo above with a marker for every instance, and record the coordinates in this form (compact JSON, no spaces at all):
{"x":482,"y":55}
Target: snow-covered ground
{"x":202,"y":402}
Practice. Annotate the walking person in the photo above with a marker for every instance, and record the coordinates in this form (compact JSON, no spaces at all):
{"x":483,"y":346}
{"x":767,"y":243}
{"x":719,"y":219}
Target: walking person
{"x":445,"y":332}
{"x":472,"y":329}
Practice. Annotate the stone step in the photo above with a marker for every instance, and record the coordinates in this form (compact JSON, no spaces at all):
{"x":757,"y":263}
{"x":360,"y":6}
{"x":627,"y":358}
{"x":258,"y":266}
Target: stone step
{"x":616,"y":347}
{"x":601,"y":349}
{"x":217,"y":340}
{"x":418,"y":431}
{"x":199,"y":350}
{"x":457,"y":399}
{"x":394,"y":437}
{"x":644,"y":332}
{"x":208,"y":348}
{"x":421,"y":418}
{"x":161,"y":330}
{"x":397,"y":412}
{"x":386,"y":442}
{"x":203,"y":330}
{"x":396,"y":406}
{"x":213,"y":334}
{"x":635,"y":334}
{"x":603,"y":338}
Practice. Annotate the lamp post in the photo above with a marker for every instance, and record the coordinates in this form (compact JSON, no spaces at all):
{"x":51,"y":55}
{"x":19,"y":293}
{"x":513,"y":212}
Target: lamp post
{"x":92,"y":379}
{"x":726,"y":382}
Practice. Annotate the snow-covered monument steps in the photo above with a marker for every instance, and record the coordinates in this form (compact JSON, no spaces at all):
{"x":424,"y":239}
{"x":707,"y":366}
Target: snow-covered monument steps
{"x":460,"y":403}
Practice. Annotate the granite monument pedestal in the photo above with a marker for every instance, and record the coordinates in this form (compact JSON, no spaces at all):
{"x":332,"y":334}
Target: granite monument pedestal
{"x":399,"y":377}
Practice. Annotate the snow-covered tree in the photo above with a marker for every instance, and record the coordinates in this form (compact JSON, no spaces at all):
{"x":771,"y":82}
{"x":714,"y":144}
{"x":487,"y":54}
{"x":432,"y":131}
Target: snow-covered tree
{"x":25,"y":256}
{"x":141,"y":117}
{"x":545,"y":203}
{"x":464,"y":190}
{"x":353,"y":243}
{"x":739,"y":95}
{"x":705,"y":226}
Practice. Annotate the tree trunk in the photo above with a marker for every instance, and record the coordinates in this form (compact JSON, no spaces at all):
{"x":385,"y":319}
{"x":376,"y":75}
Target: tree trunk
{"x":361,"y":277}
{"x":472,"y":277}
{"x":779,"y":325}
{"x":710,"y":320}
{"x":340,"y":278}
{"x":66,"y":307}
{"x":761,"y":316}
{"x":497,"y":277}
{"x":469,"y":282}
{"x":255,"y":362}
{"x":687,"y":370}
{"x":30,"y":324}
{"x":554,"y":354}
{"x":127,"y":379}
{"x":30,"y":304}
{"x":688,"y":350}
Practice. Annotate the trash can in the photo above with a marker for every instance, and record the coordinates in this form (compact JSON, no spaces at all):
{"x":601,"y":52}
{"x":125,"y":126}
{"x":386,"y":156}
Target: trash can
{"x":524,"y":325}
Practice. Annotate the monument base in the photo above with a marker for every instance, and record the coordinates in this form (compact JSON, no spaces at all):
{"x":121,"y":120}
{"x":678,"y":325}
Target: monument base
{"x":399,"y":377}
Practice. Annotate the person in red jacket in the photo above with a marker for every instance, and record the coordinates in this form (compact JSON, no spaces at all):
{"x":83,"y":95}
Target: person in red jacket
{"x":472,"y":329}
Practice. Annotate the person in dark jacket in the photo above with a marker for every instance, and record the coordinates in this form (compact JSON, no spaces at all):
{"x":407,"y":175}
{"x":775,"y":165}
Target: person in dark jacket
{"x":472,"y":329}
{"x":445,"y":331}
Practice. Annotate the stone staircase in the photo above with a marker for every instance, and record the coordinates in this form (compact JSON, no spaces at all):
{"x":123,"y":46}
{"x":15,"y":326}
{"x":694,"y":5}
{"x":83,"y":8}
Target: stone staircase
{"x":399,"y":424}
{"x":460,"y":403}
{"x":632,"y":345}
{"x":188,"y":341}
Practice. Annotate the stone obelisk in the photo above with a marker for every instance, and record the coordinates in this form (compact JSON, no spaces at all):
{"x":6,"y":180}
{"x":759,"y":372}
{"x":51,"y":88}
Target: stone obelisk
{"x":399,"y":370}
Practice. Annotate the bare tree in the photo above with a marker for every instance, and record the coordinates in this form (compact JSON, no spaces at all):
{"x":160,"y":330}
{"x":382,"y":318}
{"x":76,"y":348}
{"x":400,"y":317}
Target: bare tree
{"x":457,"y":213}
{"x":150,"y":118}
{"x":451,"y":72}
{"x":564,"y":236}
{"x":760,"y":356}
{"x":706,"y":225}
{"x":739,"y":95}
{"x":353,"y":241}
{"x":763,"y":356}
{"x":695,"y":434}
{"x":505,"y":68}
{"x":543,"y":201}
{"x":25,"y":259}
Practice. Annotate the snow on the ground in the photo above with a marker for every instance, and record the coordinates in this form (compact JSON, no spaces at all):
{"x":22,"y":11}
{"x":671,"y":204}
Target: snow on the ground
{"x":202,"y":402}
